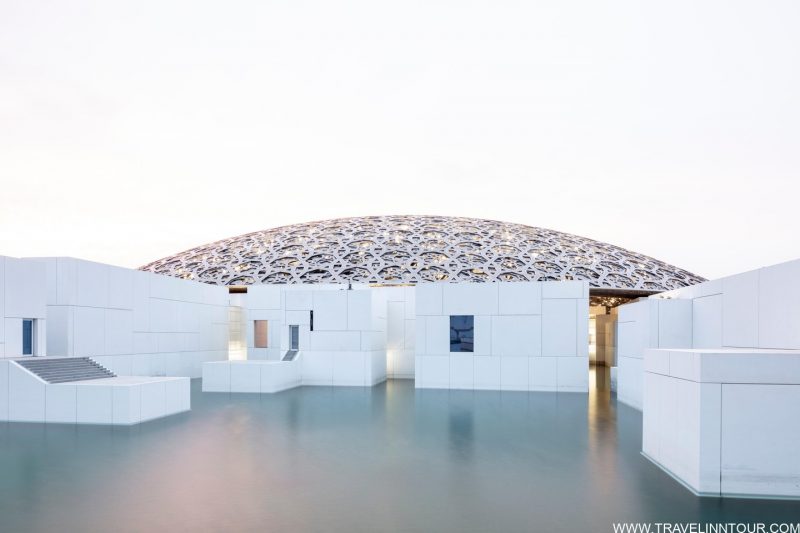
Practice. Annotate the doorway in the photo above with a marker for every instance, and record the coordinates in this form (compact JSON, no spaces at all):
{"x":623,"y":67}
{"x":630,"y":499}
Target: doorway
{"x":294,"y":337}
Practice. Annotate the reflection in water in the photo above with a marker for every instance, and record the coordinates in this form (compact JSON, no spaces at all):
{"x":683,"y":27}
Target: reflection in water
{"x":460,"y":432}
{"x":353,"y":459}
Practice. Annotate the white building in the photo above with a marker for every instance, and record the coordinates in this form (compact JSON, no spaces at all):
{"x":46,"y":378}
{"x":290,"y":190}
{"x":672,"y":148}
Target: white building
{"x":452,"y":303}
{"x":715,"y":367}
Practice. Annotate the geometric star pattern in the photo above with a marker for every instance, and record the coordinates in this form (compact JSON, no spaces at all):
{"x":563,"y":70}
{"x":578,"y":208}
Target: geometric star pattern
{"x":418,"y":249}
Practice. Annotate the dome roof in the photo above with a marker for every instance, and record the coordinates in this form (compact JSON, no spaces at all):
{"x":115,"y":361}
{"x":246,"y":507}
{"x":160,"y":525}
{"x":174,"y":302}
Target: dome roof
{"x":416,"y":249}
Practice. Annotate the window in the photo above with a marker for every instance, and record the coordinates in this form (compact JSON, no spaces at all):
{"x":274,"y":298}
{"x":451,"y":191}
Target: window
{"x":27,"y":337}
{"x":260,"y":333}
{"x":294,"y":337}
{"x":462,"y":329}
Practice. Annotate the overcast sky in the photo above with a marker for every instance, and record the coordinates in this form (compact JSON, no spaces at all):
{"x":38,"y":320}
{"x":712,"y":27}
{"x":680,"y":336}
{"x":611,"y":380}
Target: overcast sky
{"x":134,"y":130}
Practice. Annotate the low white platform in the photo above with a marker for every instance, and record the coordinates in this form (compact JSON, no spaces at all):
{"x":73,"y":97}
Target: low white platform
{"x":24,"y":397}
{"x":251,"y":376}
{"x":724,"y":422}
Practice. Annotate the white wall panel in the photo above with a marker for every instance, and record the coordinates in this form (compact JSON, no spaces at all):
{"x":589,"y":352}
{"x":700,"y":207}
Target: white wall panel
{"x":507,"y":341}
{"x":25,"y":289}
{"x":543,"y":373}
{"x":572,"y":374}
{"x":120,"y":288}
{"x":437,"y":334}
{"x":298,"y":300}
{"x":564,"y":289}
{"x":706,"y":322}
{"x":4,"y":386}
{"x":317,"y":368}
{"x":674,"y":323}
{"x":559,"y":325}
{"x":740,"y":310}
{"x":334,"y":341}
{"x":469,"y":298}
{"x":264,"y":297}
{"x":421,"y":336}
{"x":245,"y":377}
{"x":779,"y":306}
{"x":95,"y":404}
{"x":759,"y":433}
{"x":61,"y":404}
{"x":92,"y":284}
{"x":359,"y":310}
{"x":118,"y":335}
{"x":487,"y":372}
{"x":26,"y":395}
{"x":299,"y":318}
{"x":483,"y":335}
{"x":429,"y":299}
{"x":163,"y":315}
{"x":2,"y":304}
{"x":330,"y":310}
{"x":436,"y":371}
{"x":89,"y":331}
{"x":523,"y":298}
{"x":13,"y":332}
{"x":462,"y":371}
{"x":515,"y":373}
{"x":517,"y":335}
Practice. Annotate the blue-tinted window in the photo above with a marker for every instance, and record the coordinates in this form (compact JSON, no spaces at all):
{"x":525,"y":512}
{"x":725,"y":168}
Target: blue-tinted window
{"x":27,"y":337}
{"x":462,"y":333}
{"x":294,"y":337}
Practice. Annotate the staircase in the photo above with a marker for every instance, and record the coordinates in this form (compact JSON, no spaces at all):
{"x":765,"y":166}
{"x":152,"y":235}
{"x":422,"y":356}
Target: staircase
{"x":65,"y":369}
{"x":290,"y":355}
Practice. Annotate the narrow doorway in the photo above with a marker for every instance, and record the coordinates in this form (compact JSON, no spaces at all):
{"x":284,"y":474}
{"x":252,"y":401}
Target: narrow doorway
{"x":27,"y":336}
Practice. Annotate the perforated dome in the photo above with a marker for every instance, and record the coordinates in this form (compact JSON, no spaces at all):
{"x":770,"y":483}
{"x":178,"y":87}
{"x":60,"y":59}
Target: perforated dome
{"x":418,"y":249}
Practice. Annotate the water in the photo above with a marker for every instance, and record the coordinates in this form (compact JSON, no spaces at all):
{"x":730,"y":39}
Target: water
{"x":390,"y":458}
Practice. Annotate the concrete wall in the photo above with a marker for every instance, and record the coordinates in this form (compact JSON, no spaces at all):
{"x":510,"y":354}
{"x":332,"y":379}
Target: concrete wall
{"x":757,"y":309}
{"x":724,"y":421}
{"x":528,"y":336}
{"x":23,"y":295}
{"x":647,"y":323}
{"x":24,"y":397}
{"x":348,"y":343}
{"x":134,"y":323}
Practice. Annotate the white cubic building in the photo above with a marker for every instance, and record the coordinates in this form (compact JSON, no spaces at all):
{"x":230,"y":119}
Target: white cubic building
{"x":716,"y":370}
{"x":452,"y":303}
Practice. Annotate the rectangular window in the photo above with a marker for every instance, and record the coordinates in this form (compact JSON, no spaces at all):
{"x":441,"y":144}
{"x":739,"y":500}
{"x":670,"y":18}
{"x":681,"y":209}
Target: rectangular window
{"x":311,"y":320}
{"x":27,"y":337}
{"x":462,"y":333}
{"x":294,"y":337}
{"x":260,"y":333}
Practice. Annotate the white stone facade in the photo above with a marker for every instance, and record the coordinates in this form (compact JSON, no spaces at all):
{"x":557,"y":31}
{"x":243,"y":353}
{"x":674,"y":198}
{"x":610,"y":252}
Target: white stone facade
{"x":759,"y":309}
{"x":724,"y":422}
{"x":22,"y":296}
{"x":527,"y":336}
{"x":134,"y":323}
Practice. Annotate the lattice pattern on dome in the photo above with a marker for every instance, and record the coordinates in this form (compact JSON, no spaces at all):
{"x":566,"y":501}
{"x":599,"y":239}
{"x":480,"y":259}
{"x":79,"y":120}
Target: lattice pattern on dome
{"x":414,"y":249}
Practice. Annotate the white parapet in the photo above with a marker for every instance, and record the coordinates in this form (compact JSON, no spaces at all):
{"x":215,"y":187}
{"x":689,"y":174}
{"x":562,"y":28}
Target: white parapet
{"x":724,"y":421}
{"x":251,"y":376}
{"x":124,"y":400}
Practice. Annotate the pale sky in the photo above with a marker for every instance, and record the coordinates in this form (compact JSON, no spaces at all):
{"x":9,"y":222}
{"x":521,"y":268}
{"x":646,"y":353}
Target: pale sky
{"x":134,"y":130}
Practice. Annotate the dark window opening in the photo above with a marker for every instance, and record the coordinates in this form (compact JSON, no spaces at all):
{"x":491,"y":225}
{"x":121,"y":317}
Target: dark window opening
{"x":27,"y":337}
{"x":294,"y":337}
{"x":462,"y":333}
